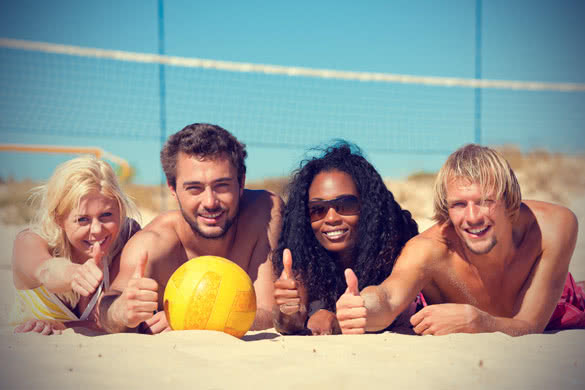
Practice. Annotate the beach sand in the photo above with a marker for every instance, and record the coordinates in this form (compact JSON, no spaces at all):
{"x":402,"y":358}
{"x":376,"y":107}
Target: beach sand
{"x":265,"y":359}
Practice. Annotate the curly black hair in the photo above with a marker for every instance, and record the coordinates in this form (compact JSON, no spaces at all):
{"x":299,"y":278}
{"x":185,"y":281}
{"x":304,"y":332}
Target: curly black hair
{"x":383,"y":227}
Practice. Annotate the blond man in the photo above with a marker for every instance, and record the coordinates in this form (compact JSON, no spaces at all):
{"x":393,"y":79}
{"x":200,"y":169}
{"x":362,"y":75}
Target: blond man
{"x":491,"y":263}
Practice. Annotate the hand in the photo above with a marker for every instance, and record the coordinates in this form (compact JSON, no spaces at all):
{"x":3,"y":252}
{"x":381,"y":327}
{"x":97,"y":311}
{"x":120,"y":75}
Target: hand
{"x":139,"y":300}
{"x":289,"y":313}
{"x":448,"y":318}
{"x":323,"y":322}
{"x":87,"y":277}
{"x":351,"y":307}
{"x":156,"y":324}
{"x":39,"y":326}
{"x":286,"y":293}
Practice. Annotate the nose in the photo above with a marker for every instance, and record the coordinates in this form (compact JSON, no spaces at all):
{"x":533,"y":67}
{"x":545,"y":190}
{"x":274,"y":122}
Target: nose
{"x":95,"y":228}
{"x":332,"y":217}
{"x":473,"y":214}
{"x":209,"y":199}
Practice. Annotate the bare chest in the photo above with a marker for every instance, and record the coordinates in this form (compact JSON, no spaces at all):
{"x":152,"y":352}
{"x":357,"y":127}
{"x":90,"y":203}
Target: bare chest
{"x":495,"y":290}
{"x":240,"y":254}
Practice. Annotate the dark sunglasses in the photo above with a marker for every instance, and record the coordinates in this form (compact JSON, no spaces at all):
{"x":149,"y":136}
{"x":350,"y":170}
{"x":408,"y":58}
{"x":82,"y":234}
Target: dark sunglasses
{"x":344,"y":205}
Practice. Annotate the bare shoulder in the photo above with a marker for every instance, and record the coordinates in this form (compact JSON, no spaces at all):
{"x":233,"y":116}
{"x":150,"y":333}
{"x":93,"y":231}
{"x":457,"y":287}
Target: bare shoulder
{"x":29,"y":247}
{"x":29,"y":252}
{"x":157,"y":238}
{"x":554,"y":221}
{"x":260,"y":206}
{"x":28,"y":237}
{"x":429,"y":247}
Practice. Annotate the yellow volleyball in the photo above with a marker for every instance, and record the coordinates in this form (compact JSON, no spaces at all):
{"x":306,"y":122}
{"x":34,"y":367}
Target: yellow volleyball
{"x":210,"y":292}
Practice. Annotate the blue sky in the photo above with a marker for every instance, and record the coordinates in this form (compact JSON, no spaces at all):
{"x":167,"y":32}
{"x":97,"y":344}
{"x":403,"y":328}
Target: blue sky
{"x":521,"y":40}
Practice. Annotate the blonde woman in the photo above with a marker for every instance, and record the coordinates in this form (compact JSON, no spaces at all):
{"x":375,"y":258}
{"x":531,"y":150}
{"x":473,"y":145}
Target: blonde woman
{"x":66,"y":259}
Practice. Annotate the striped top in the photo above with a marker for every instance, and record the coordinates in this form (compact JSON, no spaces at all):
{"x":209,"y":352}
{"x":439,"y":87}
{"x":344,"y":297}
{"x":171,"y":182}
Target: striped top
{"x":41,"y":304}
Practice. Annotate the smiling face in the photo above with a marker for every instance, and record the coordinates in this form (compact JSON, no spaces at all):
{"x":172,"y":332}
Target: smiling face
{"x":477,"y":220}
{"x":208,"y":194}
{"x":335,"y":232}
{"x":96,"y":219}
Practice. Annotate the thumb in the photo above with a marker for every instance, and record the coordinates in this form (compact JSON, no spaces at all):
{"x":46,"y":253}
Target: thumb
{"x":352,"y":282}
{"x":287,"y":272}
{"x":97,"y":254}
{"x":141,"y":266}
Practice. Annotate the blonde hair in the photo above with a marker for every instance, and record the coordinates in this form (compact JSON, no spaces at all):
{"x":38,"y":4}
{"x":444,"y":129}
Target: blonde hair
{"x":70,"y":182}
{"x":483,"y":166}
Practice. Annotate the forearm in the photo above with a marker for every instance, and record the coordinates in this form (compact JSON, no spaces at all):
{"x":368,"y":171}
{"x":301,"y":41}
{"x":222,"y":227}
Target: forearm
{"x":510,"y":326}
{"x":56,"y":273}
{"x":380,"y":312}
{"x":263,"y":320}
{"x":293,"y":323}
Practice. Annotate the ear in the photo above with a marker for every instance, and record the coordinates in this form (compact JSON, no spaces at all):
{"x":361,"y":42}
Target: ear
{"x":60,"y":222}
{"x":172,"y":189}
{"x":242,"y":184}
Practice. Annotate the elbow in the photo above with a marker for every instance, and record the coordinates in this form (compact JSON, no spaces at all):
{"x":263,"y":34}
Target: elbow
{"x":286,"y":323}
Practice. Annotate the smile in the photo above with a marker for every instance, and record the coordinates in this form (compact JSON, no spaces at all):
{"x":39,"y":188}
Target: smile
{"x":478,"y":232}
{"x":211,"y":217}
{"x":91,"y":242}
{"x":335,"y":234}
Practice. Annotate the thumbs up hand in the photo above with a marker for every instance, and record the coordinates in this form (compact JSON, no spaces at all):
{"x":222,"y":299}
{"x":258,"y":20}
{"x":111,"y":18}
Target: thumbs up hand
{"x":290,"y":311}
{"x":351,"y":308}
{"x":87,"y":276}
{"x":139,"y":300}
{"x":286,"y":293}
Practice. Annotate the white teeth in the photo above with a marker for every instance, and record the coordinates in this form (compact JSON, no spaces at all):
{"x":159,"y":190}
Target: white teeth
{"x":211,"y":215}
{"x":91,"y":242}
{"x":335,"y":233}
{"x":476,"y":231}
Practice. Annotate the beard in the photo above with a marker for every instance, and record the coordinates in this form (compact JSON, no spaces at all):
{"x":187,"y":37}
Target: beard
{"x":482,"y":251}
{"x":208,"y":235}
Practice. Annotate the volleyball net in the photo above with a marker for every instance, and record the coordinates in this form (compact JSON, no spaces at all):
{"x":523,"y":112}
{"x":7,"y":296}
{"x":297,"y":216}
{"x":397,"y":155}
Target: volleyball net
{"x":77,"y":93}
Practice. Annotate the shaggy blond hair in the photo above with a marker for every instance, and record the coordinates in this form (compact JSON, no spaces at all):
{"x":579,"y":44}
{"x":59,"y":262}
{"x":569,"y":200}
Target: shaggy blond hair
{"x":70,"y":182}
{"x":483,"y":166}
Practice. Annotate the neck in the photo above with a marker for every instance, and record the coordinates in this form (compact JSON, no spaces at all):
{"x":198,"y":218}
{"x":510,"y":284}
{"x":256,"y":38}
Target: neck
{"x":499,"y":256}
{"x":202,"y":246}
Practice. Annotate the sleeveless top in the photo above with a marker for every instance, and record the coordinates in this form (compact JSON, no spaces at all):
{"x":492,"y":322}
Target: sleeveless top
{"x":39,"y":303}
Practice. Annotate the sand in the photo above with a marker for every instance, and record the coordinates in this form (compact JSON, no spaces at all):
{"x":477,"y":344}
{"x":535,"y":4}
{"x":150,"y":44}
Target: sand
{"x":265,"y":359}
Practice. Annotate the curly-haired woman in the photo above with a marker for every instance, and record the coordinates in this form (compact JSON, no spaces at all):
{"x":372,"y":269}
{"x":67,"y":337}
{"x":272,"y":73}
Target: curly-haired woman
{"x":339,"y":215}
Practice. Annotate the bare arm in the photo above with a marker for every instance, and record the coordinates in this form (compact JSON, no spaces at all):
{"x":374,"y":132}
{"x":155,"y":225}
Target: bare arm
{"x":538,"y":296}
{"x":262,"y":261}
{"x":133,"y":295}
{"x":544,"y":286}
{"x":377,"y":306}
{"x":33,"y":266}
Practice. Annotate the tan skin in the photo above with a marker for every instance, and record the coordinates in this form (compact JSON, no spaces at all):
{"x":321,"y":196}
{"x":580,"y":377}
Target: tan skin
{"x":481,"y":271}
{"x":90,"y":229}
{"x":210,"y":195}
{"x":337,"y":234}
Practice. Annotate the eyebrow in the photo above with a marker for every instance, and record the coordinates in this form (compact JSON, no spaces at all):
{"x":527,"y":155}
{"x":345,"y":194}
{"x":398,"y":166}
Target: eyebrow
{"x":108,"y":209}
{"x":196,"y":182}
